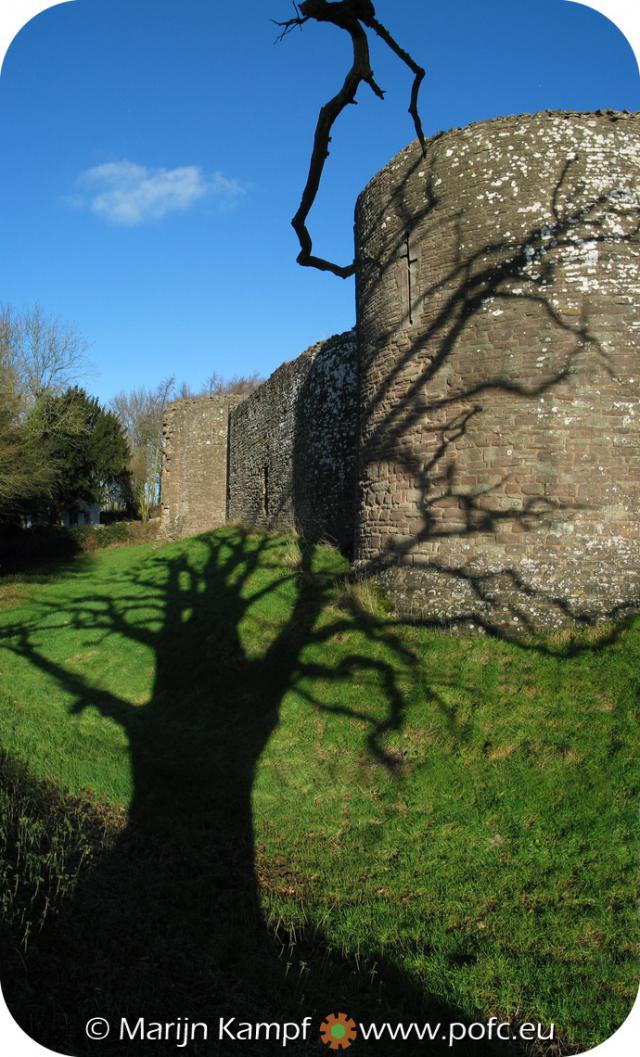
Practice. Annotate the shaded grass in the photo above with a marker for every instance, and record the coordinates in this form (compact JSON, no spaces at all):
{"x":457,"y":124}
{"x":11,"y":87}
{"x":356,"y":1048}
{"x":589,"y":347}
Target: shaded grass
{"x":24,"y":550}
{"x":462,"y":808}
{"x":48,"y":839}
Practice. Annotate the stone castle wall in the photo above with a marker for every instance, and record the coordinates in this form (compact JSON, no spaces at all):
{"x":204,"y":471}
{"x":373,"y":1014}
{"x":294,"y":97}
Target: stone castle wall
{"x":282,"y":458}
{"x":498,"y":299}
{"x":292,"y":446}
{"x":478,"y":442}
{"x":194,"y":466}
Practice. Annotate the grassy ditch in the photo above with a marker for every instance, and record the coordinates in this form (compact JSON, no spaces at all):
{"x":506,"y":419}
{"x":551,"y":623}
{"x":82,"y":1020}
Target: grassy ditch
{"x":322,"y":804}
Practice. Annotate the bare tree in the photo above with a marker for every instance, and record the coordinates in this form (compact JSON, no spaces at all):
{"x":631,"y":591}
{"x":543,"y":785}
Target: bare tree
{"x":352,"y":16}
{"x":140,"y":413}
{"x":46,"y":355}
{"x":238,"y":385}
{"x":217,"y":385}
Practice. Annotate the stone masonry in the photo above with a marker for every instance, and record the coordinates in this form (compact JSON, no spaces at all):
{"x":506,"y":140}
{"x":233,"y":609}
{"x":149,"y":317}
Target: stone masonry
{"x":478,"y":440}
{"x":292,"y":462}
{"x":194,"y":465}
{"x":498,"y":319}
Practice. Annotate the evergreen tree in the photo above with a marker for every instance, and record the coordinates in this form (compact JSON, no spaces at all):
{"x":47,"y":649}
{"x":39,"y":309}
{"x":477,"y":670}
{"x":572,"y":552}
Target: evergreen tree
{"x":84,"y":446}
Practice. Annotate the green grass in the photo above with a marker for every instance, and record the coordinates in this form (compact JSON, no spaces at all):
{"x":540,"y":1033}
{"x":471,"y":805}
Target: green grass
{"x":457,"y":814}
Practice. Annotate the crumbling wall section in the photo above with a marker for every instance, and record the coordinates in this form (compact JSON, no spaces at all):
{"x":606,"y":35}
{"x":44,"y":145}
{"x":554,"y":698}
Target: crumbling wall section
{"x":194,"y":465}
{"x":292,"y":446}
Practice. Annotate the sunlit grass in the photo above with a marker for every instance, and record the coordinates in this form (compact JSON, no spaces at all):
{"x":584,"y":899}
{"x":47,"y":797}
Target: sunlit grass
{"x":464,"y":806}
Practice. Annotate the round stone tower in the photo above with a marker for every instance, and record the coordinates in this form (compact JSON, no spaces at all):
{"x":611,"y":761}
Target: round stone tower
{"x":498,"y":293}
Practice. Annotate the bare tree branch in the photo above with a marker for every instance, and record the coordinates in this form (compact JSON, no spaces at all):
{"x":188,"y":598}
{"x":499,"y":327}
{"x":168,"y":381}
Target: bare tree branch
{"x":290,"y":24}
{"x":350,"y":15}
{"x":418,"y":71}
{"x":46,"y":354}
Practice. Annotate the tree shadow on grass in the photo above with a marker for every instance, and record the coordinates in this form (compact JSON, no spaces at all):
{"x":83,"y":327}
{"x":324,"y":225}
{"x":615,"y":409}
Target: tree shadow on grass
{"x":168,"y":923}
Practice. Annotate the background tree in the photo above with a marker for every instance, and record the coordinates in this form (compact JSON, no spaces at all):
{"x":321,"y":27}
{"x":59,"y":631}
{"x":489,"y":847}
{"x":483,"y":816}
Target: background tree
{"x":25,"y":476}
{"x":38,"y":357}
{"x":140,"y":414}
{"x":238,"y":385}
{"x":46,"y":354}
{"x":84,"y":446}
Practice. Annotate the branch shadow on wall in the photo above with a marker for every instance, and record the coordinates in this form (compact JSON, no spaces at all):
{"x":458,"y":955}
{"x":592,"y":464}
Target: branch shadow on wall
{"x":422,"y":413}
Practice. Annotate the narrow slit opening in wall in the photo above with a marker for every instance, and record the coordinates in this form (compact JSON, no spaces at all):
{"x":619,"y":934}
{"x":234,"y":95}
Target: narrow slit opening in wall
{"x":265,"y":490}
{"x":407,"y":279}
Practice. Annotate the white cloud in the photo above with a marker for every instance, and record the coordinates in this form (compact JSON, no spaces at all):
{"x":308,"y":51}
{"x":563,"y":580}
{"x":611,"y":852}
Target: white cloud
{"x":126,"y":193}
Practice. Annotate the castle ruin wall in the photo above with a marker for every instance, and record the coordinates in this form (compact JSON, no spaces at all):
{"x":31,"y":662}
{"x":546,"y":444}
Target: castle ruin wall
{"x":292,"y":446}
{"x":478,"y":442}
{"x":194,"y":465}
{"x":498,"y":293}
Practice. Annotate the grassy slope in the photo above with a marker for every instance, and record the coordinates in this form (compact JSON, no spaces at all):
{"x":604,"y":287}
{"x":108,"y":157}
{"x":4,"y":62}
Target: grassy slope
{"x":465,"y":806}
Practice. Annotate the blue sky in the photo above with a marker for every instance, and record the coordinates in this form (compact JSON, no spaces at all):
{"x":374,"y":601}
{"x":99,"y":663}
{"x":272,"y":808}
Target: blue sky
{"x":154,"y":152}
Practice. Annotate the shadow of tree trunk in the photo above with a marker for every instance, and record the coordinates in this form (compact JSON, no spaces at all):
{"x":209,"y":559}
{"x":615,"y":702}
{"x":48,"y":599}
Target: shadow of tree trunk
{"x":169,"y":922}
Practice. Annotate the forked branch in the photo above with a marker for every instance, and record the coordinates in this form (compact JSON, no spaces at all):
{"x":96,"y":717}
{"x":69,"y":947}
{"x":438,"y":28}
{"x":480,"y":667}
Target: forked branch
{"x":352,"y":16}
